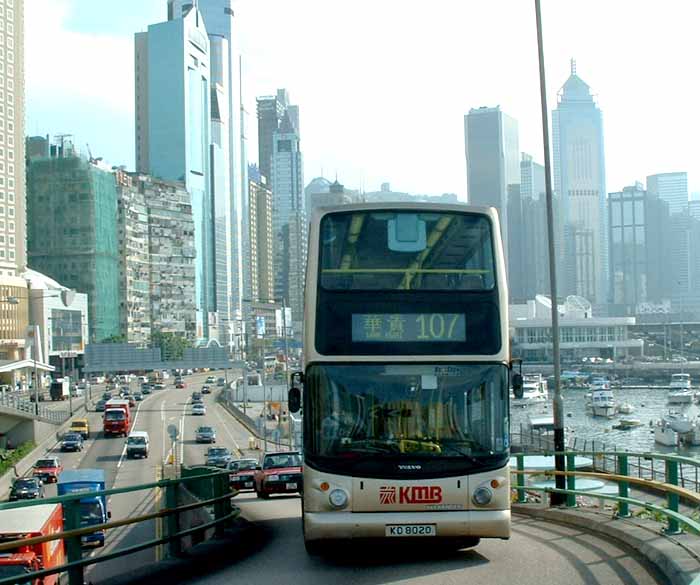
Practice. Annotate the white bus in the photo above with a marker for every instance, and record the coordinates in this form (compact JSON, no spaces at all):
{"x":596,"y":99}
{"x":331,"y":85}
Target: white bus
{"x":405,"y":387}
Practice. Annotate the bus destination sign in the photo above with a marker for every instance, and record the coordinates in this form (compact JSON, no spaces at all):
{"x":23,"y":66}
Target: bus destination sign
{"x":408,"y":327}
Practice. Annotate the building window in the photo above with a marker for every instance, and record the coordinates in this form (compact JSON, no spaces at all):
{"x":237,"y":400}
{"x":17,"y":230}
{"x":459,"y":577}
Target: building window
{"x":11,"y":225}
{"x":10,"y":211}
{"x":11,"y":254}
{"x":11,"y":197}
{"x":2,"y":254}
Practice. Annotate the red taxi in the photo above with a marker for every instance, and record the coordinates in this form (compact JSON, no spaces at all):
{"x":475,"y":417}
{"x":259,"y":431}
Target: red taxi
{"x":47,"y":469}
{"x":242,"y":476}
{"x":280,"y":473}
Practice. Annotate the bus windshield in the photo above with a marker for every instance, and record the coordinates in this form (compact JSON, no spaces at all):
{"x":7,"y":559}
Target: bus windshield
{"x":446,"y":412}
{"x":406,"y":250}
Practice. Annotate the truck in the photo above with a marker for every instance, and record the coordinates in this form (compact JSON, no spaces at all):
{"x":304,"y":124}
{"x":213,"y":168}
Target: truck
{"x":117,"y":417}
{"x":93,"y":507}
{"x":22,"y":523}
{"x":60,"y":388}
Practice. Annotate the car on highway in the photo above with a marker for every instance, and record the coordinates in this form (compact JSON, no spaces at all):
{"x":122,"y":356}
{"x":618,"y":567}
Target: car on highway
{"x":80,"y":425}
{"x":47,"y":469}
{"x":131,"y":399}
{"x":206,"y":389}
{"x":106,"y":396}
{"x":210,"y":380}
{"x":72,"y":442}
{"x":221,"y":382}
{"x":180,"y":385}
{"x":199,"y":409}
{"x":205,"y":435}
{"x":26,"y":488}
{"x":218,"y":456}
{"x":137,"y":444}
{"x":147,"y":389}
{"x":242,"y":476}
{"x":196,"y":396}
{"x":280,"y":473}
{"x":100,"y":405}
{"x":138,"y":396}
{"x":159,"y":386}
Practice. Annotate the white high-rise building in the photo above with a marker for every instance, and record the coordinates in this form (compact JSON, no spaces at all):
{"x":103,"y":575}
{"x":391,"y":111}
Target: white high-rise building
{"x":672,"y":188}
{"x":228,"y":149}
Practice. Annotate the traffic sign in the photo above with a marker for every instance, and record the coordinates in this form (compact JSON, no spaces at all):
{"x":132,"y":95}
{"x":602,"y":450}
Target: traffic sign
{"x":173,"y":432}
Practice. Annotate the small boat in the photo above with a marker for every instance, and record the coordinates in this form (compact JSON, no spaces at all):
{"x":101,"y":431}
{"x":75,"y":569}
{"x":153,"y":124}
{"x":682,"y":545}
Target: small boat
{"x":542,"y":423}
{"x":627,"y":423}
{"x":680,"y":382}
{"x":625,"y":408}
{"x":534,"y":390}
{"x":601,"y":400}
{"x":679,"y":422}
{"x":664,"y":434}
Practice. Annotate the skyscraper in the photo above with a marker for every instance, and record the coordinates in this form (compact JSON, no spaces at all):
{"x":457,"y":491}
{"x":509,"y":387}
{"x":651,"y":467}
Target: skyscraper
{"x":639,"y":249}
{"x":289,"y":217}
{"x":493,"y":160}
{"x":579,"y":181}
{"x":13,"y":217}
{"x":672,"y":188}
{"x":173,"y":134}
{"x":271,"y":110}
{"x":229,"y":167}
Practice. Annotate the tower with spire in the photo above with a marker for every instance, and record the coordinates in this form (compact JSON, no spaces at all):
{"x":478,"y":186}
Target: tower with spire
{"x":579,"y":183}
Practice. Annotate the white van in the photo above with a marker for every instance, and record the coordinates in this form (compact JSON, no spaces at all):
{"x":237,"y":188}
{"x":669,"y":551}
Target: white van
{"x":137,"y":444}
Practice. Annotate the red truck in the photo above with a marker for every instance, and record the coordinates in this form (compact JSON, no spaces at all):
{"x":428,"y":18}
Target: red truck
{"x":117,"y":417}
{"x":21,"y":523}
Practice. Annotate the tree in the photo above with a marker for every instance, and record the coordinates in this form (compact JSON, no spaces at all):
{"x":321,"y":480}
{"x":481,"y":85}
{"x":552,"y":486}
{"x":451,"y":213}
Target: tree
{"x":118,"y":338}
{"x":172,"y":346}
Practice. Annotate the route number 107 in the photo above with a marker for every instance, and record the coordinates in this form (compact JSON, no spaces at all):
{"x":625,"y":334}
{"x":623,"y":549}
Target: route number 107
{"x":436,"y":326}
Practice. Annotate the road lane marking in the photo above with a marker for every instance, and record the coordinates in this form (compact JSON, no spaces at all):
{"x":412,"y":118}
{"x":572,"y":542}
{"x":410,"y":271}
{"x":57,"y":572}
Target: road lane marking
{"x":218,"y":414}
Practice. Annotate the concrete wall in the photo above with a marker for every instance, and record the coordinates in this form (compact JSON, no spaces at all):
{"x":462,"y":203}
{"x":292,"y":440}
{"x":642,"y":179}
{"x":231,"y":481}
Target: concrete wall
{"x":20,"y":430}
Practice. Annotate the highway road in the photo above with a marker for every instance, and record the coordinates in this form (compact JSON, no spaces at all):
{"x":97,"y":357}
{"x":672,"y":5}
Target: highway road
{"x":537,"y":554}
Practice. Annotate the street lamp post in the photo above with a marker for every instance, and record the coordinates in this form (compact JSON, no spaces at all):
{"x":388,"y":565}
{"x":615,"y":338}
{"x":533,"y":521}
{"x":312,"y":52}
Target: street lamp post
{"x":558,"y":402}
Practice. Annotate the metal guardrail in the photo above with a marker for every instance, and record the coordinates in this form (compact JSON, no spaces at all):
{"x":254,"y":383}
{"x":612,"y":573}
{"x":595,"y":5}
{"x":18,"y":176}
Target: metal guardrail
{"x":222,"y":512}
{"x":33,"y":409}
{"x":639,"y":465}
{"x":671,"y":487}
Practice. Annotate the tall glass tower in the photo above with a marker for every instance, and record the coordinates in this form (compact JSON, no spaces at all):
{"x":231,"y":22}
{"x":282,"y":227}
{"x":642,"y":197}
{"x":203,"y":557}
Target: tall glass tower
{"x":173,"y":133}
{"x":229,"y":137}
{"x":579,"y":181}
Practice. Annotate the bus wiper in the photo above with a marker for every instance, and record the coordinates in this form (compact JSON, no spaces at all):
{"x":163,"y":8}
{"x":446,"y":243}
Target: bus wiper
{"x":463,"y":453}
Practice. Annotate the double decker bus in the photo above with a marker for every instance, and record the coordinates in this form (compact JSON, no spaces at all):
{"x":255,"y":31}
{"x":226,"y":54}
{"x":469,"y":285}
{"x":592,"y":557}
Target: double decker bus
{"x":407,"y":367}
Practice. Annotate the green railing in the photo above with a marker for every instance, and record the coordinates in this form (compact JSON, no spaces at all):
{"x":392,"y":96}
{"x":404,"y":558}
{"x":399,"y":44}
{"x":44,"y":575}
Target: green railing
{"x":670,"y":487}
{"x":217,"y":484}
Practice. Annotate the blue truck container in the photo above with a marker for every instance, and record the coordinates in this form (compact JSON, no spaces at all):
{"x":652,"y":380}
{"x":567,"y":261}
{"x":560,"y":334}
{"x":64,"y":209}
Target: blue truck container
{"x":93,"y":508}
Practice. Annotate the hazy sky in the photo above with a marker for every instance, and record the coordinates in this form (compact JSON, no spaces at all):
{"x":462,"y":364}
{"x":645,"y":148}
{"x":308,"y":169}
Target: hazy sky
{"x":383,"y":85}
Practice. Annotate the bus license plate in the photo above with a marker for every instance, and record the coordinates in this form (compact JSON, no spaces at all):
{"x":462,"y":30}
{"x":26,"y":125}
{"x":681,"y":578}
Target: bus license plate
{"x":291,"y":486}
{"x":248,"y":484}
{"x":410,"y":530}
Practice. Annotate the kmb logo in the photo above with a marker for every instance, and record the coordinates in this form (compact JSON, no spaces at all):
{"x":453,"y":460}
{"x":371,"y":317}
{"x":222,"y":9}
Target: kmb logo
{"x":417,"y":494}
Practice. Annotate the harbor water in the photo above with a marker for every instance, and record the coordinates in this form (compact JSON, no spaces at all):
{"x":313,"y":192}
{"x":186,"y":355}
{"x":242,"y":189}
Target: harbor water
{"x":650,"y":405}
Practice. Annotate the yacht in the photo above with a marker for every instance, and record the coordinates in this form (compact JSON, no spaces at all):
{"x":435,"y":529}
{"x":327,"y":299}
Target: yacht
{"x":680,"y":390}
{"x":534,"y":390}
{"x":664,"y":434}
{"x":679,"y":422}
{"x":600,"y":401}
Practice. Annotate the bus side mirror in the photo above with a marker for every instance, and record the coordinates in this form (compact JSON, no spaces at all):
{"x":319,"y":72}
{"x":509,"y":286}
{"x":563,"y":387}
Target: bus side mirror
{"x":294,"y":399}
{"x":517,"y":381}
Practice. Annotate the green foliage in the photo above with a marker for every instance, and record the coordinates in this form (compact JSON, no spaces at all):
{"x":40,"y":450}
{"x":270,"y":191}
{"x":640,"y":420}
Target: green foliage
{"x":10,"y":458}
{"x":115,"y":339}
{"x":172,"y":346}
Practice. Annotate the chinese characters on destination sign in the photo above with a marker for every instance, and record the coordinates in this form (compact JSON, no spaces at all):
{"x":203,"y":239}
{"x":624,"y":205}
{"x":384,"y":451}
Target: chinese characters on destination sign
{"x":408,"y":327}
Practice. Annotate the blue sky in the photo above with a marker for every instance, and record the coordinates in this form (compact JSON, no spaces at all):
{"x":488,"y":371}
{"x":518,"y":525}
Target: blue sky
{"x":383,"y":86}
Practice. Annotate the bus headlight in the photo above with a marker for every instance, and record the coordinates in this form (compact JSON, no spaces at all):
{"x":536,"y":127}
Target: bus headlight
{"x":482,"y":496}
{"x":338,"y":499}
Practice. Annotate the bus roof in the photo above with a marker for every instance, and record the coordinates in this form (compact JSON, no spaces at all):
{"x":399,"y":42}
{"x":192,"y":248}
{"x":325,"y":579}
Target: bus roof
{"x":407,"y":205}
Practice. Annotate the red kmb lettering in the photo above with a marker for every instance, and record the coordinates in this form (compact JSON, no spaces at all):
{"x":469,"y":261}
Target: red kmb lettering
{"x":420,"y":495}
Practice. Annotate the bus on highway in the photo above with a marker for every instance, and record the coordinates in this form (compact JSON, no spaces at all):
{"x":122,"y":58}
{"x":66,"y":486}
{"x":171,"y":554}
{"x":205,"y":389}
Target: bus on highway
{"x":407,"y":368}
